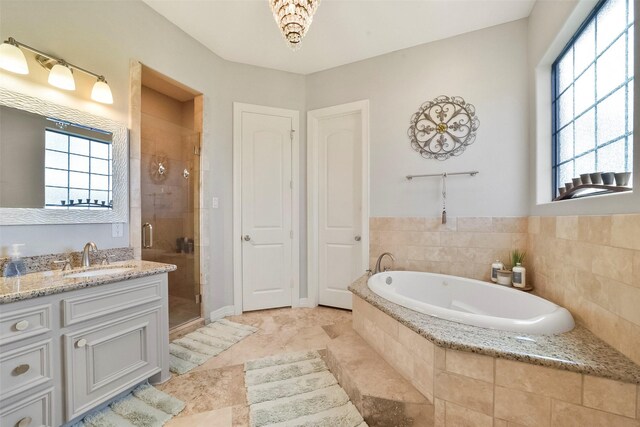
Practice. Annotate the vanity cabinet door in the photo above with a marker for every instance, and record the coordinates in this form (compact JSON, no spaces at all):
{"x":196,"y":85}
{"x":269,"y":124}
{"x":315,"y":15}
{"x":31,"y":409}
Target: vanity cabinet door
{"x":105,"y":360}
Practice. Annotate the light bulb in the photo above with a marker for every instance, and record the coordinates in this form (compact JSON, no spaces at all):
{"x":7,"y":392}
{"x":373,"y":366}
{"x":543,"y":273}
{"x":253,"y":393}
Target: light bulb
{"x":12,"y":59}
{"x":61,"y":76}
{"x":102,"y":92}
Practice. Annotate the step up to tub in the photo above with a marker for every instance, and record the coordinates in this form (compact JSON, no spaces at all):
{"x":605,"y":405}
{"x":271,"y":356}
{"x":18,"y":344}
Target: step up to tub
{"x":381,"y":395}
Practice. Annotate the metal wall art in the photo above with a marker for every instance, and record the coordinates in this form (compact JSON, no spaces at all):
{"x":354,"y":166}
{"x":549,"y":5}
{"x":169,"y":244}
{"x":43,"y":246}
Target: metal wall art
{"x":443,"y":128}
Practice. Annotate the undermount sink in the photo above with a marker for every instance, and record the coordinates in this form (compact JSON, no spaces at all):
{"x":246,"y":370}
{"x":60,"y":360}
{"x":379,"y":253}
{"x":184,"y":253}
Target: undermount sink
{"x":97,"y":272}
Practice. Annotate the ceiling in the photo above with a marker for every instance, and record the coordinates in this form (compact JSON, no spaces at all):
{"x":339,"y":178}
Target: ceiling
{"x":343,"y":31}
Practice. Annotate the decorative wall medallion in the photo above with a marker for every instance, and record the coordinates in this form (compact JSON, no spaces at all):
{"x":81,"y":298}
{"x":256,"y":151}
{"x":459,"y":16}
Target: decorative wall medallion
{"x":443,"y":128}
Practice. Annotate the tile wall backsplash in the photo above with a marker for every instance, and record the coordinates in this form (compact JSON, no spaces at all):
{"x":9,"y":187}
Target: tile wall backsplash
{"x":591,"y":266}
{"x":462,"y":247}
{"x":588,"y":264}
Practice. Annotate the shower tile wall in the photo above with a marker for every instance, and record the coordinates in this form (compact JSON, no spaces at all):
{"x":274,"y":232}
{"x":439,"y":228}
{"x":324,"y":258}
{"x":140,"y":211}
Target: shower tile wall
{"x":465,"y":246}
{"x":169,"y":200}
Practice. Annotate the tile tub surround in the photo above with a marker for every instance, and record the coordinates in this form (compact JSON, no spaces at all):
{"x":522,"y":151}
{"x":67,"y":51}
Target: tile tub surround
{"x":471,"y":389}
{"x":577,"y":351}
{"x":53,"y":282}
{"x":464,"y":246}
{"x":38,"y":263}
{"x":591,"y":266}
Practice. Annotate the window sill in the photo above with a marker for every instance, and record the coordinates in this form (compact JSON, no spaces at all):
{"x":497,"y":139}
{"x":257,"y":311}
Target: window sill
{"x":591,"y":190}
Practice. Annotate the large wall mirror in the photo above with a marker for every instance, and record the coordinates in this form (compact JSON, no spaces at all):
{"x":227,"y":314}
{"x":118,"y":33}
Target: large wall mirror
{"x":59,"y":165}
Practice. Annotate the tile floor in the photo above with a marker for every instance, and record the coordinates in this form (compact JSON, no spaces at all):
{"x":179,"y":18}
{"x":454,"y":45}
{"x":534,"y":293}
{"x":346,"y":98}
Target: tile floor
{"x":215,"y":393}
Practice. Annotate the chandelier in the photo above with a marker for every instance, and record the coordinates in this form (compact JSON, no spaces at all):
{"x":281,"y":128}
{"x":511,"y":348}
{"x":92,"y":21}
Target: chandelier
{"x":294,"y":18}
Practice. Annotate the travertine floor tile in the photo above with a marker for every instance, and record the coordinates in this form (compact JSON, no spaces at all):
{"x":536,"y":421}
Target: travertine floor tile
{"x":217,"y":418}
{"x":215,"y":393}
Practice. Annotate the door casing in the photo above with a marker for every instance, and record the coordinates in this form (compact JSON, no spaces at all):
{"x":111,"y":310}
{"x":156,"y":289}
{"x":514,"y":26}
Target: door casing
{"x":238,"y":109}
{"x":313,"y":118}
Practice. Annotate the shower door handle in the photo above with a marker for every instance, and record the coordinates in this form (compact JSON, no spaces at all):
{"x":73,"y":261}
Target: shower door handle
{"x":144,"y":235}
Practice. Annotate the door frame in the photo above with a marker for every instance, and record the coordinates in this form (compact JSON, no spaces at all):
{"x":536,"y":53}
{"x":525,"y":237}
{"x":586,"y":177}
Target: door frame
{"x":313,"y":237}
{"x":238,"y":109}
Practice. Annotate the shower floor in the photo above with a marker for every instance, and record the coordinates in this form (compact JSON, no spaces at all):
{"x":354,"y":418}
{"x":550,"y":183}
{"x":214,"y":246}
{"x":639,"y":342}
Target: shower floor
{"x":182,"y":310}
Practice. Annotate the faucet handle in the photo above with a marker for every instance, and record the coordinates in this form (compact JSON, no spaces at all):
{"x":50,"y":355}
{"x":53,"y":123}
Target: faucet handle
{"x":105,"y":260}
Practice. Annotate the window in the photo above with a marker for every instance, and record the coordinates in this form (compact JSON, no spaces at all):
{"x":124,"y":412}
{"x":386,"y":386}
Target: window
{"x":592,"y":102}
{"x":77,"y":170}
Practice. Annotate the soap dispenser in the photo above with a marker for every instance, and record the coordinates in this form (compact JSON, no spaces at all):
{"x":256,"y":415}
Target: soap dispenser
{"x":15,"y":266}
{"x":498,"y":265}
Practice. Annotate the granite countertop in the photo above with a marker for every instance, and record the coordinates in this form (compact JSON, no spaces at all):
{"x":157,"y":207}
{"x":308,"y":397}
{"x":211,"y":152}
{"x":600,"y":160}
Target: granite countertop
{"x":53,"y":282}
{"x":578,"y":350}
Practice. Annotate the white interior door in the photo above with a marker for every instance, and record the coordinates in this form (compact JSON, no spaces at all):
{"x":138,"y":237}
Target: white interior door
{"x":267,"y":273}
{"x":342,"y":243}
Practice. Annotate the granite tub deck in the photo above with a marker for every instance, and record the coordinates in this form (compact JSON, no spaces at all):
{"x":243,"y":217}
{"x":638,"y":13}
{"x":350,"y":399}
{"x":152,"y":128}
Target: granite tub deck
{"x":43,"y":283}
{"x":577,"y":351}
{"x":478,"y":377}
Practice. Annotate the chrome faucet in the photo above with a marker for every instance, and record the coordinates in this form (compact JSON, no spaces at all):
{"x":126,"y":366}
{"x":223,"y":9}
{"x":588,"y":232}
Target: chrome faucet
{"x":378,"y":268}
{"x":89,"y":247}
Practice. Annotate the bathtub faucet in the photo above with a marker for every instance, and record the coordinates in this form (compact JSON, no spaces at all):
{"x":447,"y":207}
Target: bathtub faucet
{"x":378,"y":268}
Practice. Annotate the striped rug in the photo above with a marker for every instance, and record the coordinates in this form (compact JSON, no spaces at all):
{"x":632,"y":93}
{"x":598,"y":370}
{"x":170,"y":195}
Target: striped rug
{"x":297,"y":390}
{"x":197,"y":347}
{"x":143,"y":407}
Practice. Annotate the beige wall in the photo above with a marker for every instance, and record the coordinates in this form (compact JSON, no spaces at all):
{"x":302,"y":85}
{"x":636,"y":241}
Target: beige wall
{"x":475,"y":390}
{"x":588,"y":264}
{"x":591,"y":266}
{"x":465,"y":246}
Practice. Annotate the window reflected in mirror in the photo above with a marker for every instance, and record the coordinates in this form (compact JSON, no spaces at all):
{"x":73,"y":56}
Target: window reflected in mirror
{"x":53,"y":164}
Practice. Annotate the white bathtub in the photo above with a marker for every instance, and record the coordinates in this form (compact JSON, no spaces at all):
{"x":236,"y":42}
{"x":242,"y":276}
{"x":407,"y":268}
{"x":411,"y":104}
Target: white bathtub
{"x":472,"y":302}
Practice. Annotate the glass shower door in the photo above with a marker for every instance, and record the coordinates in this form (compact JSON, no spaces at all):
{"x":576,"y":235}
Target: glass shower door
{"x":170,"y":197}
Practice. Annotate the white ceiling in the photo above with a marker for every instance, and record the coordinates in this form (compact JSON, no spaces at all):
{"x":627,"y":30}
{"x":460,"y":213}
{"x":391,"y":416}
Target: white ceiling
{"x":343,"y":31}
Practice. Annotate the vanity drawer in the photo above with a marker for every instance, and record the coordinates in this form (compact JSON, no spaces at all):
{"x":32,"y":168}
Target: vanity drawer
{"x":24,"y":368}
{"x":24,"y":323}
{"x":100,"y":303}
{"x":34,"y":411}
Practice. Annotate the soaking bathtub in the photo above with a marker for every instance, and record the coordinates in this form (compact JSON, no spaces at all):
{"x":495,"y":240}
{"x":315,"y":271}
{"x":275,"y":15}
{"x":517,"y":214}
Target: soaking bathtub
{"x":472,"y":302}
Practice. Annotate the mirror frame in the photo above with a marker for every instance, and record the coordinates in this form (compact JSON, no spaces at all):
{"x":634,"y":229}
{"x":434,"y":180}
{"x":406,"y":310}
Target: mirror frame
{"x":120,"y":211}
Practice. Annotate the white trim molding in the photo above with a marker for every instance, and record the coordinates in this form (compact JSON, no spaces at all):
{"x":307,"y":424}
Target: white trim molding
{"x":238,"y":109}
{"x":222,"y":312}
{"x":312,"y":188}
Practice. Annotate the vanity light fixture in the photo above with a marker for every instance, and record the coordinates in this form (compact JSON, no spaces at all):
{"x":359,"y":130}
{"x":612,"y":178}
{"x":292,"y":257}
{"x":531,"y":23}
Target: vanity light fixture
{"x":60,"y":72}
{"x":12,"y":59}
{"x":61,"y":76}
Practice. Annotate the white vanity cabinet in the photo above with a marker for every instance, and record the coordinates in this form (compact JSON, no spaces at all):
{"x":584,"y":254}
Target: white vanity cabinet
{"x":62,"y":355}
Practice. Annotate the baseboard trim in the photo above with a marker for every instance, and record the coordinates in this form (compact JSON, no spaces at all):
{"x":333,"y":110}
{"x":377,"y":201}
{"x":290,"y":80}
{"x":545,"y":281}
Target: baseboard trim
{"x":304,"y":302}
{"x":222,"y":312}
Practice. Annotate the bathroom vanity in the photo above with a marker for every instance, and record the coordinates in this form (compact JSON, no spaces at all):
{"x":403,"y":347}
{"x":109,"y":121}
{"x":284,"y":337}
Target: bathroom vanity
{"x":71,"y":341}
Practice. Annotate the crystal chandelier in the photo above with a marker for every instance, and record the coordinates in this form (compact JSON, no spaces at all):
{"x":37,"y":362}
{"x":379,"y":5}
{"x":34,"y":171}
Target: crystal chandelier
{"x":294,"y":18}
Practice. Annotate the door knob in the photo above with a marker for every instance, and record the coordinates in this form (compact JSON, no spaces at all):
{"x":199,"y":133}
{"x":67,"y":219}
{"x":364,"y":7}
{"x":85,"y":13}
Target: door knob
{"x":358,"y":238}
{"x":246,"y":237}
{"x":81,"y":343}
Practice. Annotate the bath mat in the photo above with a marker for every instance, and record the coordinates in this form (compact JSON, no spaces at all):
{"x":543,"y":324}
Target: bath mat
{"x":297,"y":390}
{"x":197,"y":347}
{"x":145,"y":406}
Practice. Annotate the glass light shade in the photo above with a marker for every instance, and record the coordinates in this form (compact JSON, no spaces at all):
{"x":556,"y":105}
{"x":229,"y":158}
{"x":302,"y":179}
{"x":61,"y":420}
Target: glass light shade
{"x":61,"y":77}
{"x":102,"y":92}
{"x":12,"y":59}
{"x":294,"y":18}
